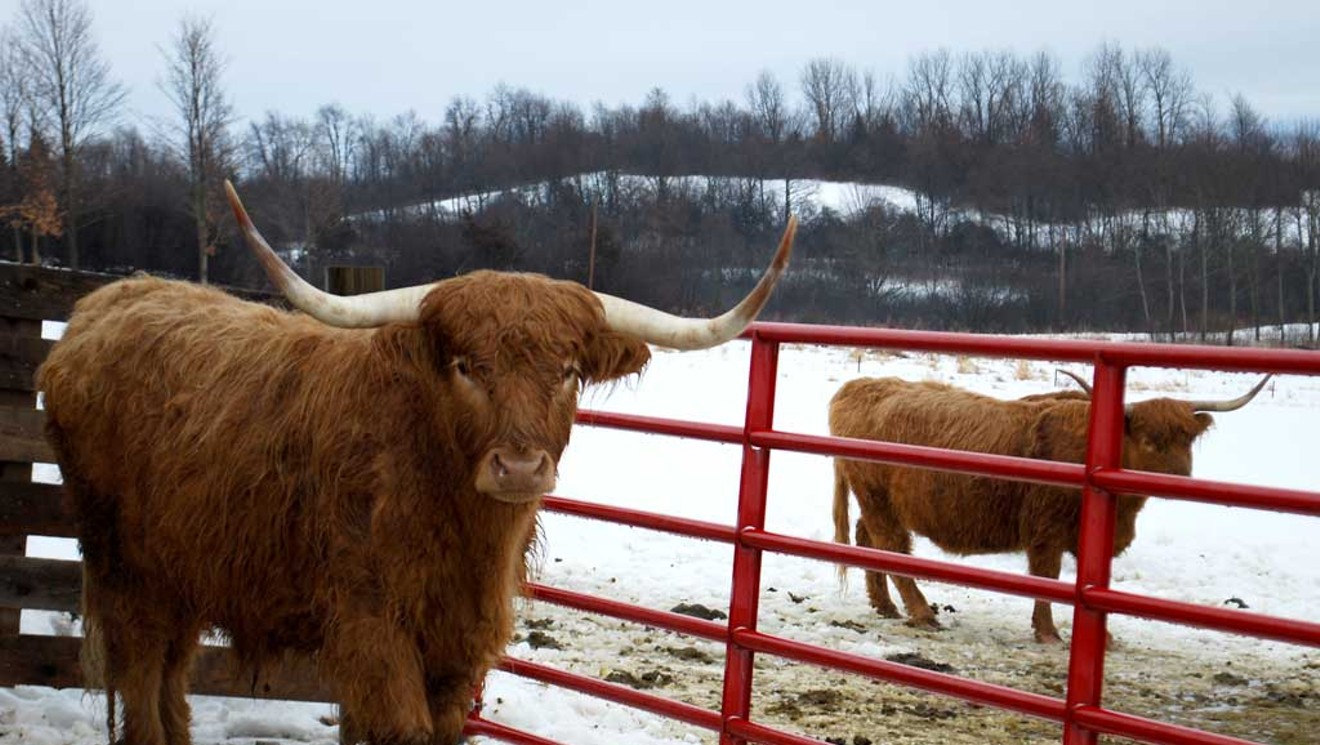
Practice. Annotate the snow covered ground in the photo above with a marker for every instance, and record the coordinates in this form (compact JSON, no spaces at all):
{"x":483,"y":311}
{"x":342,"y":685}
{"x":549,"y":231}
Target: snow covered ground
{"x":1260,"y":690}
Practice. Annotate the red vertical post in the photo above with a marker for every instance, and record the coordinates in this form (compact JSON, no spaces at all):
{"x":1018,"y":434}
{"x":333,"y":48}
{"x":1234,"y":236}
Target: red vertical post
{"x":744,"y":599}
{"x":1095,"y":550}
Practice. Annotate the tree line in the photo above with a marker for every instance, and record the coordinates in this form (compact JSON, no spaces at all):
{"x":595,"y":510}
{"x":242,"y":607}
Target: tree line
{"x":1119,"y":198}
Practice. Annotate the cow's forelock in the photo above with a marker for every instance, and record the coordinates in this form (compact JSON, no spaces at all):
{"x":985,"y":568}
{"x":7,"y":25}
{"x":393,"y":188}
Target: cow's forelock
{"x":1162,"y":432}
{"x":513,"y":352}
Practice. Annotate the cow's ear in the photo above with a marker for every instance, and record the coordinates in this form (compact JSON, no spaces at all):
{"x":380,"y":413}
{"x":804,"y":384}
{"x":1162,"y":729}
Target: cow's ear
{"x":1059,"y":433}
{"x":1204,"y":420}
{"x":611,"y":355}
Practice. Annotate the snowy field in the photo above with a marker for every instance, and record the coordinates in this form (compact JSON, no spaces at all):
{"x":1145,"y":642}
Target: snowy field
{"x":1263,"y":691}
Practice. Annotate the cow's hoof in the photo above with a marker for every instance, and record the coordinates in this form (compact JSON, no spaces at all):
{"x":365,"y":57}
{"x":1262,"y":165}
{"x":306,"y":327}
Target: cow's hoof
{"x":926,"y":624}
{"x":1050,"y":638}
{"x":888,"y":611}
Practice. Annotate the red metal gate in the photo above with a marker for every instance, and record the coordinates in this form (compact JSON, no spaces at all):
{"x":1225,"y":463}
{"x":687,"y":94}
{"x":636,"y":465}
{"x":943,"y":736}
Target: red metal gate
{"x":1080,"y":712}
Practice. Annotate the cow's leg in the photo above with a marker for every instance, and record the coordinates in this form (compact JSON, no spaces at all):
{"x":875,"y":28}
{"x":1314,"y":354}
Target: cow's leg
{"x":349,"y":733}
{"x":174,"y":712}
{"x":886,"y":532}
{"x":135,"y":649}
{"x":375,"y":668}
{"x":877,"y":587}
{"x":450,"y":699}
{"x":1044,"y":560}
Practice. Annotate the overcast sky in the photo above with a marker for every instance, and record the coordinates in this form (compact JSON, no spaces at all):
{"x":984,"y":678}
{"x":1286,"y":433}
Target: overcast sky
{"x":385,"y":57}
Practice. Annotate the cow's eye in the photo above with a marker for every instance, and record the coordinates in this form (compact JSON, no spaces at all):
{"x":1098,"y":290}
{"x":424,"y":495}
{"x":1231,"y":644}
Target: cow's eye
{"x":460,"y":366}
{"x":571,"y":373}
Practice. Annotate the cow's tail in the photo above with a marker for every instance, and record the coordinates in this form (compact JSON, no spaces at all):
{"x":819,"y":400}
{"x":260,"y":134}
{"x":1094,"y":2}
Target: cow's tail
{"x":92,"y":657}
{"x":841,"y":518}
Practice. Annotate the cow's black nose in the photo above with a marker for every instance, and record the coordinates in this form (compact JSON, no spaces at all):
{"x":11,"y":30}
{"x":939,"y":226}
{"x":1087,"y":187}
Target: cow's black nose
{"x":516,"y":472}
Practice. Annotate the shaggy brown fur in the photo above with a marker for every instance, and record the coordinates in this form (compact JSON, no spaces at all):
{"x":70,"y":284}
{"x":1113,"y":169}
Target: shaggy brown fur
{"x":974,"y":515}
{"x":312,"y":490}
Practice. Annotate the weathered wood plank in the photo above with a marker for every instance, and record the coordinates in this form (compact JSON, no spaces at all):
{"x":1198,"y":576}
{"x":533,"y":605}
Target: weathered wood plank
{"x":22,"y":435}
{"x":20,"y":355}
{"x":40,"y":584}
{"x":11,"y":618}
{"x":34,"y":509}
{"x":53,"y":661}
{"x":41,"y":294}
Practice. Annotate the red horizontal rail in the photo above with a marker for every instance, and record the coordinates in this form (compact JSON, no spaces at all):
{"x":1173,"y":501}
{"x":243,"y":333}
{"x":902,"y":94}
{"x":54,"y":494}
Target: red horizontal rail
{"x":1191,"y":614}
{"x":1149,"y":730}
{"x":1002,"y":697}
{"x":661,"y":426}
{"x":639,"y":519}
{"x":762,"y":734}
{"x":683,"y":712}
{"x":920,"y":456}
{"x":1232,"y":359}
{"x":480,"y":726}
{"x":660,"y":619}
{"x":1211,"y":492}
{"x":1046,"y":472}
{"x":892,"y":562}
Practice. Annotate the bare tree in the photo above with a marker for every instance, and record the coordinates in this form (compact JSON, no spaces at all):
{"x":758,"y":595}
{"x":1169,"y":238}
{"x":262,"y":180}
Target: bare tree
{"x":1044,"y":101}
{"x":1252,"y":139}
{"x":773,"y":124}
{"x":928,"y":117}
{"x":873,"y":106}
{"x":991,"y":95}
{"x":1131,"y":98}
{"x":1170,"y":91}
{"x":1207,"y":228}
{"x":830,"y":88}
{"x":973,"y":93}
{"x":462,"y":132}
{"x":279,"y":148}
{"x":337,"y":133}
{"x":71,"y":83}
{"x":1103,"y":90}
{"x":765,"y":99}
{"x":281,"y":151}
{"x":15,"y":102}
{"x":928,"y":93}
{"x":193,"y":69}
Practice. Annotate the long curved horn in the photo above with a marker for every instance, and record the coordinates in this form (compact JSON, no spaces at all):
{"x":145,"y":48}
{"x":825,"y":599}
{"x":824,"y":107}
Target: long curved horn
{"x":1079,"y":379}
{"x":1233,"y":404}
{"x":662,"y":329}
{"x":379,"y":308}
{"x":359,"y":311}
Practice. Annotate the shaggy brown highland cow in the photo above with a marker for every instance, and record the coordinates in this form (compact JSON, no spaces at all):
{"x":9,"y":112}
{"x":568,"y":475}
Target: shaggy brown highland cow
{"x":978,"y":515}
{"x":359,"y":484}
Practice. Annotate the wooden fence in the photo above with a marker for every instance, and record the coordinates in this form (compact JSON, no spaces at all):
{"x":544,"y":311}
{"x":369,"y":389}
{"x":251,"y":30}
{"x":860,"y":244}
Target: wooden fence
{"x":28,"y":296}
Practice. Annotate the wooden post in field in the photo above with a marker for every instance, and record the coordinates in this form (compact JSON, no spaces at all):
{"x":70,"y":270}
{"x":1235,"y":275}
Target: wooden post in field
{"x":354,"y":280}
